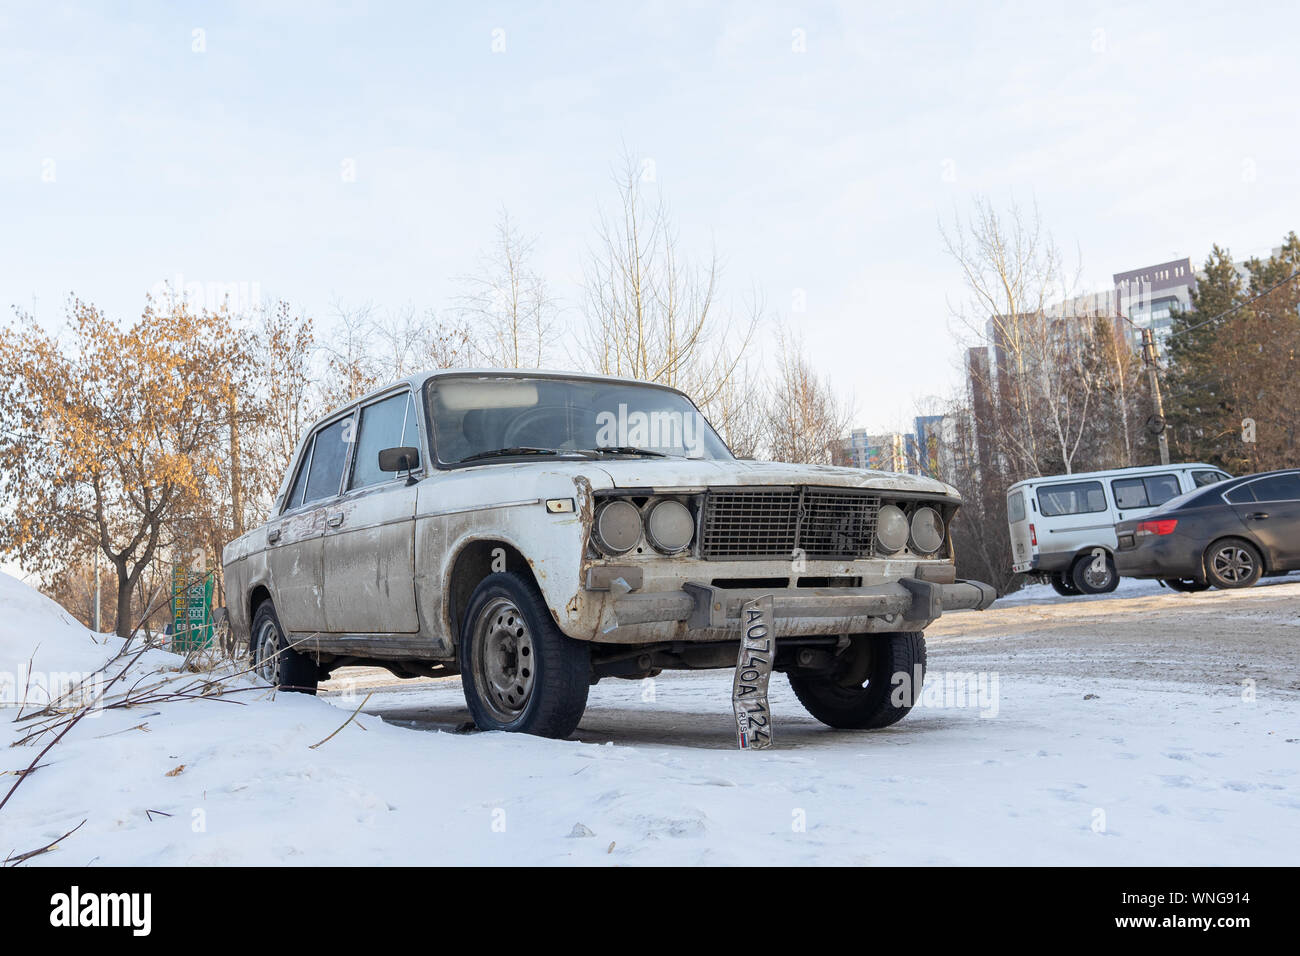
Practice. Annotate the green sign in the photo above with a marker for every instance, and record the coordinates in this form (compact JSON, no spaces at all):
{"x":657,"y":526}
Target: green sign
{"x":191,"y":609}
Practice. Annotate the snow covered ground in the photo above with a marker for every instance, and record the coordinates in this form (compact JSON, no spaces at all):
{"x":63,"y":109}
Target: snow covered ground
{"x":1064,"y":764}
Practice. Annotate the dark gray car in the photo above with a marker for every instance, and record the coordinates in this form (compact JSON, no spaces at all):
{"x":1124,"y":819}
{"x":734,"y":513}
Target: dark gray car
{"x":1227,"y":535}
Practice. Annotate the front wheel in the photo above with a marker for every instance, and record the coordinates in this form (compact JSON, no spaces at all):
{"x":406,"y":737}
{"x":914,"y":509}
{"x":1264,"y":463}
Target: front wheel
{"x":874,"y":684}
{"x":519,"y":671}
{"x":1233,"y":563}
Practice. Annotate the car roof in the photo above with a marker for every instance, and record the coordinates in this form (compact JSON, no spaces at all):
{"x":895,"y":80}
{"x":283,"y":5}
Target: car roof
{"x":419,"y":378}
{"x":1114,"y":473}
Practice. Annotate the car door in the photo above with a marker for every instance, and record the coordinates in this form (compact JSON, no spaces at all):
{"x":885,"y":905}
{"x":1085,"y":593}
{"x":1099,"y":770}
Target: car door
{"x":1270,"y":508}
{"x":369,"y":540}
{"x":294,"y":548}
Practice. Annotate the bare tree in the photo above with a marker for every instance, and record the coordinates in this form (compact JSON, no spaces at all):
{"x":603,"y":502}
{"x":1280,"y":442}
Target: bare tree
{"x":1039,"y":380}
{"x":804,"y":420}
{"x":509,"y":304}
{"x":651,"y":313}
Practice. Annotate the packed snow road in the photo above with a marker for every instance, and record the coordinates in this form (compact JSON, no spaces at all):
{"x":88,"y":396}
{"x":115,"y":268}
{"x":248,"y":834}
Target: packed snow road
{"x":1143,"y":728}
{"x":1214,"y":642}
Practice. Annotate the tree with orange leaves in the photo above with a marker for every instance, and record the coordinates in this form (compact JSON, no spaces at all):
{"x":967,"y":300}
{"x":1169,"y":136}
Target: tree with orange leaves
{"x":103,"y":436}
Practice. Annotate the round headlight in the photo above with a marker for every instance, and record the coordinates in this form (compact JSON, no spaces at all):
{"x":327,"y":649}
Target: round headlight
{"x":927,"y":530}
{"x":891,"y":529}
{"x":618,"y":527}
{"x":670,"y":526}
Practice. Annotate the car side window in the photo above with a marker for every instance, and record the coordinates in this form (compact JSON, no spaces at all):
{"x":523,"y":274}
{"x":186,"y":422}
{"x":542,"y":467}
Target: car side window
{"x":295,"y":494}
{"x":1277,"y":488}
{"x":1129,"y":493}
{"x":1240,"y":495}
{"x":382,"y":425}
{"x":329,"y":454}
{"x":1202,"y":478}
{"x":1160,"y":488}
{"x":1082,"y":497}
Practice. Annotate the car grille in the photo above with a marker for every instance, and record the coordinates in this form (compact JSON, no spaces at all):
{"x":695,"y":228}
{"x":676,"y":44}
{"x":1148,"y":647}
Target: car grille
{"x":759,"y":523}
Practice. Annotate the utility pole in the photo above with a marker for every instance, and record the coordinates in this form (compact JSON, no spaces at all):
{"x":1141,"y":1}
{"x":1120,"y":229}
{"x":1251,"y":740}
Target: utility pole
{"x":1158,"y":419}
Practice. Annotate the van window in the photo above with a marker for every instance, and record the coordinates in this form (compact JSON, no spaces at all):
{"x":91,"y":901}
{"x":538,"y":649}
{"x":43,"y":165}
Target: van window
{"x":327,"y":460}
{"x":1144,"y":492}
{"x":1016,"y":507}
{"x":1203,"y":478}
{"x":1277,"y":488}
{"x":1080,"y":497}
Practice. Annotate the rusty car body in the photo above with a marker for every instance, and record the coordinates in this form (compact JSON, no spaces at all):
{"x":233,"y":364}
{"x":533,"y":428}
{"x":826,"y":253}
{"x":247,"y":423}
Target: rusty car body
{"x":505,"y":486}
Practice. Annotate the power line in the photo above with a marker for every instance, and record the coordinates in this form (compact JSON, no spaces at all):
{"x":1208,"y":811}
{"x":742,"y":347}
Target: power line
{"x":1239,"y":305}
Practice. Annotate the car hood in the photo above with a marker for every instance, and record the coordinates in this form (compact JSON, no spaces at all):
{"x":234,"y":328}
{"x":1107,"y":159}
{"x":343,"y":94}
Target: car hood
{"x":683,"y":473}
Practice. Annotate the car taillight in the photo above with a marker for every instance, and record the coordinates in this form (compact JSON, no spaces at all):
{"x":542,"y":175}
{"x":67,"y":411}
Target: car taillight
{"x":1164,"y":526}
{"x":1033,"y":536}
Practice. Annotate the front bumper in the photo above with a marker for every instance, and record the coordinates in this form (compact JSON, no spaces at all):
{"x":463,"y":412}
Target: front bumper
{"x":702,"y":612}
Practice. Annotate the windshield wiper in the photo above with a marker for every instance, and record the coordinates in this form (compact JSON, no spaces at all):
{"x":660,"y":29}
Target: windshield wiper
{"x":519,"y":450}
{"x":627,"y":450}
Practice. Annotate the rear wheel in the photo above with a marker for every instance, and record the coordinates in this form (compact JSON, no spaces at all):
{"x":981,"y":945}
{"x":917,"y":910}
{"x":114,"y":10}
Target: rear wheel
{"x":1233,"y":563}
{"x":1186,"y":585}
{"x":519,"y":671}
{"x":1062,"y":584}
{"x":1094,"y":574}
{"x":274,"y":660}
{"x":859,"y":693}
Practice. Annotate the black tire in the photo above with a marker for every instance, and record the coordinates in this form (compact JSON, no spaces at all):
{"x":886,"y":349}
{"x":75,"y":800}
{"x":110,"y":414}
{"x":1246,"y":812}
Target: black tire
{"x":1233,"y":563}
{"x":1062,"y":584}
{"x":1186,"y":585}
{"x":859,"y":694}
{"x":552,"y":692}
{"x":274,"y":661}
{"x":1090,"y":581}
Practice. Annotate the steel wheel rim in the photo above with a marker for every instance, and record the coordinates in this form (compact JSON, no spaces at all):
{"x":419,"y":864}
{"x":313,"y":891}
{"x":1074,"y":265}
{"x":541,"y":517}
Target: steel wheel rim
{"x":504,"y":660}
{"x":1095,"y":578}
{"x":268,"y":654}
{"x":1233,"y":564}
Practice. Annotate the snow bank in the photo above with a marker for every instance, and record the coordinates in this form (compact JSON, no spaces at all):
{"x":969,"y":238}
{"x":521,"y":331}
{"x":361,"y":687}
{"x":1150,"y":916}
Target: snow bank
{"x":1069,"y":771}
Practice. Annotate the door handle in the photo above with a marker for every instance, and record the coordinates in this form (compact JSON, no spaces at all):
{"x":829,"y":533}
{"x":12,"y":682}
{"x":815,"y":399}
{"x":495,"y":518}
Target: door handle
{"x":273,"y":536}
{"x":1257,"y":515}
{"x":335,"y":519}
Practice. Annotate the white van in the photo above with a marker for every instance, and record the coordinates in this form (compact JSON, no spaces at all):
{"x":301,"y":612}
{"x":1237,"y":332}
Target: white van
{"x":1063,"y":526}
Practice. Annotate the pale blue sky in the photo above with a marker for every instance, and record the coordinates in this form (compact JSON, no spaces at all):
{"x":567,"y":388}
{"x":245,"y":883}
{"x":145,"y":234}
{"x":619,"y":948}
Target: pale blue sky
{"x":1144,"y":132}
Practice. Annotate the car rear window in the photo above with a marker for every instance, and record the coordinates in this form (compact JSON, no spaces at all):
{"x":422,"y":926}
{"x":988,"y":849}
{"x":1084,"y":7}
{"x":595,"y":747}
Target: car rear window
{"x":1076,"y":498}
{"x":1016,"y":507}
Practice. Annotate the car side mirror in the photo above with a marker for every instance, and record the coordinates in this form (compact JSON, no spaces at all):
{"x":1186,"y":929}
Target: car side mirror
{"x":402,"y":458}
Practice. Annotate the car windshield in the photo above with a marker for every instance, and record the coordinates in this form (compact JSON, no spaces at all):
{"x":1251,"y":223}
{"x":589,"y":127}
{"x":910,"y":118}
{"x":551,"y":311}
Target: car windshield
{"x":483,"y":417}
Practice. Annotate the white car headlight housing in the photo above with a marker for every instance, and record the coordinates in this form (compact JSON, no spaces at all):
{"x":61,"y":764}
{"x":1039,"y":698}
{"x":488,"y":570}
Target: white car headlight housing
{"x":669,"y":527}
{"x":927,"y":530}
{"x":617,"y":527}
{"x":891,"y":529}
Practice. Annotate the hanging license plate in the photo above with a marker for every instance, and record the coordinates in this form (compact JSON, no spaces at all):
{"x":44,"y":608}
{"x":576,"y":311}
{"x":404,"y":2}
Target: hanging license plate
{"x":753,"y":671}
